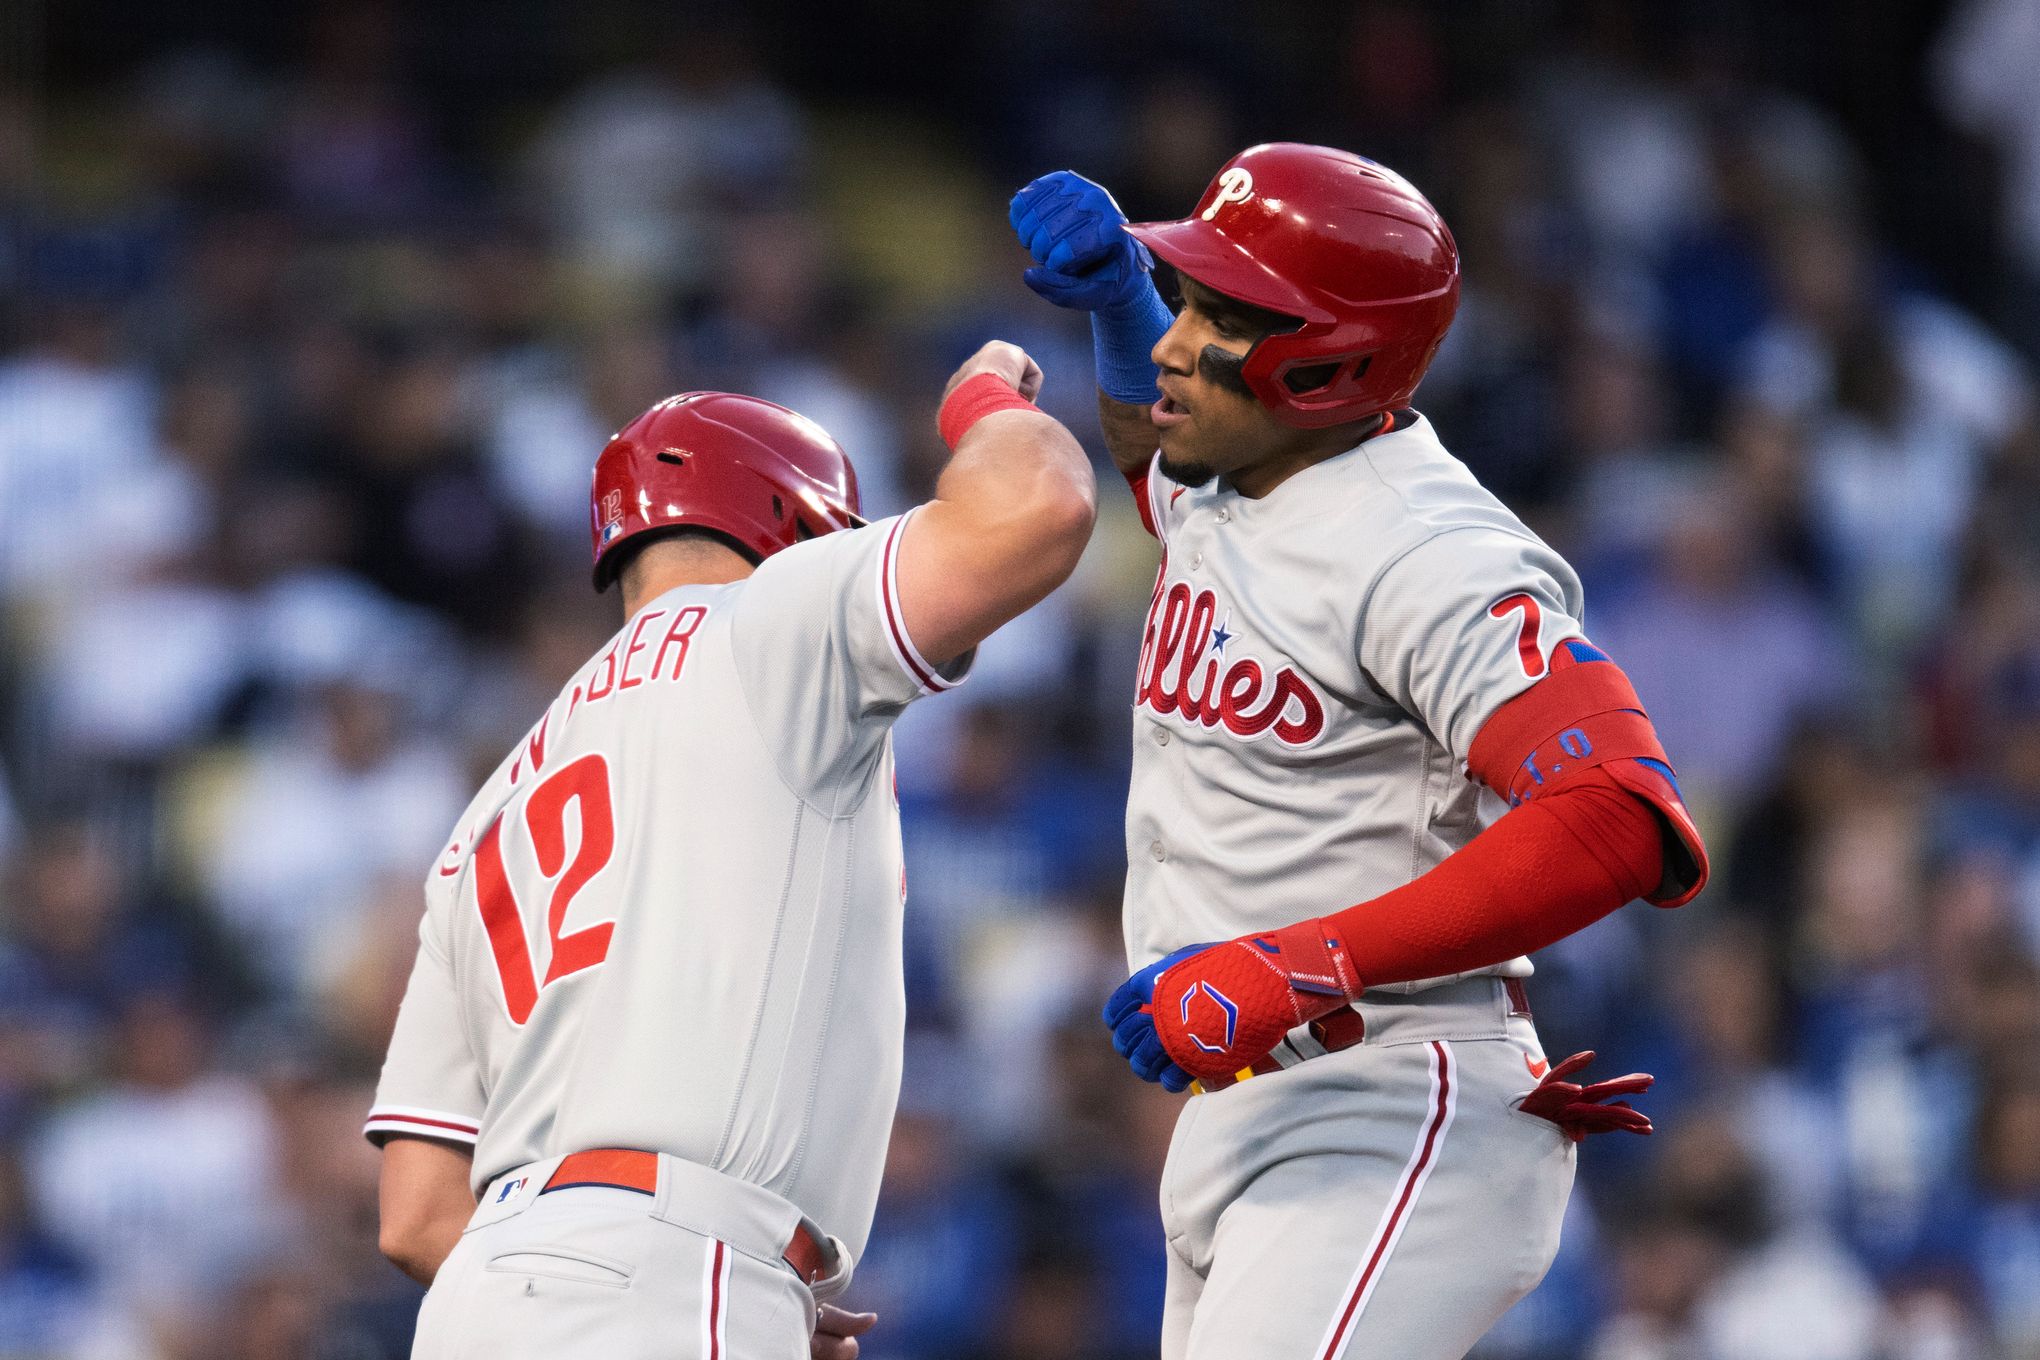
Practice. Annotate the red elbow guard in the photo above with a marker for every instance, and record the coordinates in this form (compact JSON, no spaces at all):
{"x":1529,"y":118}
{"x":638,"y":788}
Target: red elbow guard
{"x":1585,"y":715}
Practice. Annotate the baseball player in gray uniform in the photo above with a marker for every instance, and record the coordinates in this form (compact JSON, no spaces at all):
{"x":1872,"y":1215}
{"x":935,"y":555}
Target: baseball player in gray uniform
{"x":1362,"y":681}
{"x":641,"y":1084}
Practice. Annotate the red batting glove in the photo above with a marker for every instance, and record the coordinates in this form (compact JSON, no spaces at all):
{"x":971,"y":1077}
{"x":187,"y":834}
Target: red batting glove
{"x":1223,"y":1008}
{"x":1581,"y":1110}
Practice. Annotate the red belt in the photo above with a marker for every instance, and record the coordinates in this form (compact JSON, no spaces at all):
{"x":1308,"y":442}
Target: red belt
{"x":628,"y":1169}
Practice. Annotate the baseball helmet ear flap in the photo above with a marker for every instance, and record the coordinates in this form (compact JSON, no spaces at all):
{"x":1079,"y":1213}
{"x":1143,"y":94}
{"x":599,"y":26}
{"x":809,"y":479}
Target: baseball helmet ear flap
{"x":1320,"y":375}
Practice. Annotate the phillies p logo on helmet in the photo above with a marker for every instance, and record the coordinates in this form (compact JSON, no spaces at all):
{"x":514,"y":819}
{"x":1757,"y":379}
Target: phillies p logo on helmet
{"x":1235,"y":185}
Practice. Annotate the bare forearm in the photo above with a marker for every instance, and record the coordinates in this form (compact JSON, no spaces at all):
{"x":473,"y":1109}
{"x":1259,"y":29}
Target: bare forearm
{"x":425,"y":1203}
{"x":1010,"y":515}
{"x":425,"y":1247}
{"x":1129,"y":434}
{"x":1024,"y":486}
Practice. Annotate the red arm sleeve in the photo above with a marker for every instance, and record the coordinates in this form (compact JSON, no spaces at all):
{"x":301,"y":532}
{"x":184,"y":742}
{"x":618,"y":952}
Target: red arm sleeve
{"x":1141,"y":502}
{"x":1543,"y":871}
{"x":1596,"y":821}
{"x":1548,"y":868}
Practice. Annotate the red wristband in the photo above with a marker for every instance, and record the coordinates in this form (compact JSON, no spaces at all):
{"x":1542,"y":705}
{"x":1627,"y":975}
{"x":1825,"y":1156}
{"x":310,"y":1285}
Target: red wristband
{"x":973,"y":400}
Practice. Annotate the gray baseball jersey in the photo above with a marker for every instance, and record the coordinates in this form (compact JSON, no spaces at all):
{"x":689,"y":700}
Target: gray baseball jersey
{"x":671,"y":919}
{"x":1315,"y":667}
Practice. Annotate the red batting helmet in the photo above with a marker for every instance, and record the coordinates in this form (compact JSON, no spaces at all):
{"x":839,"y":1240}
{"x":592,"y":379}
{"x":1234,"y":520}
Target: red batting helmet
{"x":754,"y":472}
{"x":1349,"y":246}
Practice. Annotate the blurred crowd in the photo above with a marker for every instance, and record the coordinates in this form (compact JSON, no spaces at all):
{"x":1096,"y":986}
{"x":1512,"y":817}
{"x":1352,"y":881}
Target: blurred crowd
{"x":307,"y":347}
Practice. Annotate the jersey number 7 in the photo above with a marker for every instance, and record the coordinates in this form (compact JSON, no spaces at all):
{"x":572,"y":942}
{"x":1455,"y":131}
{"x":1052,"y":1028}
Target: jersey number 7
{"x":585,"y":782}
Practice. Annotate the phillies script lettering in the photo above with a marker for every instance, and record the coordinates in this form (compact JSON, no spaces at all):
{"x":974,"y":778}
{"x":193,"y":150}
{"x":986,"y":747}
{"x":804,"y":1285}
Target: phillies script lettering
{"x":1184,"y":669}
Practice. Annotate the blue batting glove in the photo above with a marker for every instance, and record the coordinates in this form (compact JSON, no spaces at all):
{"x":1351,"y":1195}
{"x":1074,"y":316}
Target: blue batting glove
{"x":1129,"y":1016}
{"x":1084,"y":260}
{"x":1083,"y":257}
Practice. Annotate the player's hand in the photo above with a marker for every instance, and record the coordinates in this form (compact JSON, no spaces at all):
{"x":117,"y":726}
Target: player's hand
{"x":1206,"y":1012}
{"x":1083,"y":258}
{"x":1003,"y":360}
{"x":836,"y":1332}
{"x":1582,"y":1110}
{"x":1129,"y":1015}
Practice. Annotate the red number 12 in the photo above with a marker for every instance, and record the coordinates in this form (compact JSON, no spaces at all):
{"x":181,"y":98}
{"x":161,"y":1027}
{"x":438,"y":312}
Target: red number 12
{"x":586,"y":782}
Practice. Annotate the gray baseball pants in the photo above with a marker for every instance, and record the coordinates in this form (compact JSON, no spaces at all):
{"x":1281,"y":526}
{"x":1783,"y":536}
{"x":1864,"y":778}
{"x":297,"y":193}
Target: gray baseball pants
{"x":1387,"y":1201}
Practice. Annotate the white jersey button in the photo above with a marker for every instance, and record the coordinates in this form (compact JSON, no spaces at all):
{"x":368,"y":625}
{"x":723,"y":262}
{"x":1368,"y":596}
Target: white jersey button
{"x":1196,"y":560}
{"x":1159,"y":851}
{"x":1161,"y":735}
{"x":1223,"y":514}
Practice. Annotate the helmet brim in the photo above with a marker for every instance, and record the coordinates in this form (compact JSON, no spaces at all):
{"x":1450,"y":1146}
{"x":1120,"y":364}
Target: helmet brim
{"x":1206,"y":254}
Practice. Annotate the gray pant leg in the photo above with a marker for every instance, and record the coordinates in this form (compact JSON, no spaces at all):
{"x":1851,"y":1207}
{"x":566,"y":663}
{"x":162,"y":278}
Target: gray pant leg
{"x":1387,"y":1202}
{"x":1182,"y":1227}
{"x":1179,"y":1306}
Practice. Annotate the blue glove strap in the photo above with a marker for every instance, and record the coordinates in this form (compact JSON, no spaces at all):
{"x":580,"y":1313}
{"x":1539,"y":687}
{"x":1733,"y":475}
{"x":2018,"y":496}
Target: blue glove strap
{"x":1122,"y":336}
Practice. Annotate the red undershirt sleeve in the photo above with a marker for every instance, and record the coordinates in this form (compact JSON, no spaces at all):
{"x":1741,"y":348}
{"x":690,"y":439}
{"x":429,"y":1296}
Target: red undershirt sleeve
{"x":1544,"y":870}
{"x":1138,"y":482}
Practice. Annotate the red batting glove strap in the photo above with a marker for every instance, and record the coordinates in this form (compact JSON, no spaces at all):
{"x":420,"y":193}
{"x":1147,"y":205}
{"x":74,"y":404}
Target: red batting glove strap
{"x":1220,"y":1011}
{"x":973,"y":400}
{"x":1315,"y":956}
{"x":1578,"y":1110}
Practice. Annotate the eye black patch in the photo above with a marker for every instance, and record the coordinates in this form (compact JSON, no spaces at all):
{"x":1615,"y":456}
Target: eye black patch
{"x":1222,"y":368}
